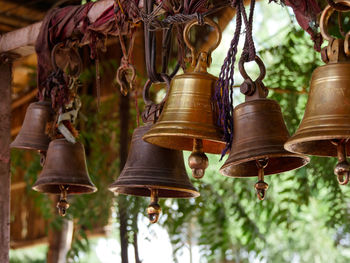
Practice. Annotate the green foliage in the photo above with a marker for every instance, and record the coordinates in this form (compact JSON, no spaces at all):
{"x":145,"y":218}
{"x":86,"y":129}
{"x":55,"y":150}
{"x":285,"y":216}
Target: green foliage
{"x":305,"y":212}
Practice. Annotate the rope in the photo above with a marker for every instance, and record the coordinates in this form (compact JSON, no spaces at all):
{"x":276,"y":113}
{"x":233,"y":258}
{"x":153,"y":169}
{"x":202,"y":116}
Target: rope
{"x":225,"y":84}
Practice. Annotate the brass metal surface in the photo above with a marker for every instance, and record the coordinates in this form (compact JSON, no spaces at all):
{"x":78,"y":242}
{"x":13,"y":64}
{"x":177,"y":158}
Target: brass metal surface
{"x":151,"y":167}
{"x":189,"y":113}
{"x":65,"y":165}
{"x":259,"y":133}
{"x":327,"y":113}
{"x":32,"y":135}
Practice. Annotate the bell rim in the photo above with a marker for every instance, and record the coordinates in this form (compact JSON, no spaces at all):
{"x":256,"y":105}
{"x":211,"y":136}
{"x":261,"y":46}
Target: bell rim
{"x":305,"y":160}
{"x":196,"y":75}
{"x":194,"y":193}
{"x":307,"y":138}
{"x":92,"y":187}
{"x":25,"y":146}
{"x":148,"y":138}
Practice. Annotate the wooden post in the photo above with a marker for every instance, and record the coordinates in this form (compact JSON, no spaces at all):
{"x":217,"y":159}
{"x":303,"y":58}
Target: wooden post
{"x":124,"y":107}
{"x":5,"y":139}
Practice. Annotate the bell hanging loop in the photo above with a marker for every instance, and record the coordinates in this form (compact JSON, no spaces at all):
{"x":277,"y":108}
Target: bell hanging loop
{"x":253,"y":89}
{"x":326,"y":14}
{"x":206,"y":51}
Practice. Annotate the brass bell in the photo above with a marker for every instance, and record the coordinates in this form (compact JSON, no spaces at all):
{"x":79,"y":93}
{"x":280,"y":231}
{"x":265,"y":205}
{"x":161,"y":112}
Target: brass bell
{"x":64,"y":172}
{"x":325,"y":128}
{"x":258,"y":138}
{"x":153,"y":171}
{"x":32,"y":135}
{"x":189,"y":118}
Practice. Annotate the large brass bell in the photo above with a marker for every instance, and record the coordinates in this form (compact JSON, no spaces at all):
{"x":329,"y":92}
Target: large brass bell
{"x":64,"y":172}
{"x":189,"y":119}
{"x":153,"y":171}
{"x":32,"y":135}
{"x":258,"y":137}
{"x":325,"y":128}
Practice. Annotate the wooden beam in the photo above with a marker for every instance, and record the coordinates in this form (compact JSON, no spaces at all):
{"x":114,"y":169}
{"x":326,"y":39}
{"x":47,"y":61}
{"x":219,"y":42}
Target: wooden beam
{"x":5,"y":139}
{"x":22,"y":41}
{"x":24,"y":99}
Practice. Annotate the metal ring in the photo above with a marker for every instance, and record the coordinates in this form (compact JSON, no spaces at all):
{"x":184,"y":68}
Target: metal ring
{"x":56,"y":67}
{"x":339,"y":7}
{"x":326,"y":14}
{"x":209,"y":22}
{"x":261,"y":67}
{"x":147,"y":86}
{"x":120,"y":71}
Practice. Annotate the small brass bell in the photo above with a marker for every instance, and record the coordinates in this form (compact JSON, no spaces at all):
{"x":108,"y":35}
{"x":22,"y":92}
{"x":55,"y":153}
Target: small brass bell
{"x":325,"y":128}
{"x":258,"y":138}
{"x":64,"y":172}
{"x":32,"y":135}
{"x":153,"y":171}
{"x":189,"y":119}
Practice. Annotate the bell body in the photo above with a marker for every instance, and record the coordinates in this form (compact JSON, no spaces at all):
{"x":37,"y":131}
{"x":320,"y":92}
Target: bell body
{"x":65,"y":165}
{"x":189,"y":113}
{"x":152,"y":167}
{"x":259,"y":133}
{"x":327,"y":113}
{"x":32,"y":135}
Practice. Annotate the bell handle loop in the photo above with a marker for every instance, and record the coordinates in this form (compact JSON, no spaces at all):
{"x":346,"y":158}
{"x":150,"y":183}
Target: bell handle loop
{"x":347,"y":44}
{"x":124,"y":69}
{"x":261,"y":68}
{"x":53,"y":53}
{"x":148,"y":85}
{"x":326,"y":14}
{"x":194,"y":53}
{"x":56,"y":67}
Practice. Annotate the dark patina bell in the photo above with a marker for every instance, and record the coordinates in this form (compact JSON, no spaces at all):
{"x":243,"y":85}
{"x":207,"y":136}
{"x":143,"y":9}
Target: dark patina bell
{"x":32,"y":135}
{"x":189,"y":118}
{"x":153,"y":171}
{"x":325,"y":128}
{"x":258,"y":138}
{"x":64,"y":172}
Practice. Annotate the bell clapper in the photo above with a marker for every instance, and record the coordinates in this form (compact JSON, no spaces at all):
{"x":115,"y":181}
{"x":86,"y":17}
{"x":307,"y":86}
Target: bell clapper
{"x":42,"y":158}
{"x":198,"y":160}
{"x":342,"y":169}
{"x":62,"y":204}
{"x":261,"y":186}
{"x":154,"y":209}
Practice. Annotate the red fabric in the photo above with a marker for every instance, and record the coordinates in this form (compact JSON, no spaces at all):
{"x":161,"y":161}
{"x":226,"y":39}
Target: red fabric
{"x":71,"y":22}
{"x":306,"y":12}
